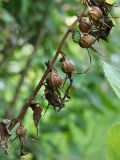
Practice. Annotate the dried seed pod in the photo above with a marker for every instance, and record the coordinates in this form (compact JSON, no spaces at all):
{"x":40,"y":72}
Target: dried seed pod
{"x":54,"y":99}
{"x":87,"y":40}
{"x":4,"y":134}
{"x":5,"y":123}
{"x":84,"y":26}
{"x":95,"y":12}
{"x":67,"y":66}
{"x":21,"y":131}
{"x":53,"y":79}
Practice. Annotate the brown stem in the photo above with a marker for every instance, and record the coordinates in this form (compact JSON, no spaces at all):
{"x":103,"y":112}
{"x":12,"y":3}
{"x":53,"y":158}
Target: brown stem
{"x":26,"y":106}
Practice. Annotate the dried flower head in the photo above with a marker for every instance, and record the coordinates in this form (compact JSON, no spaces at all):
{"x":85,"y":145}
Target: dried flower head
{"x":95,"y":12}
{"x":87,"y":40}
{"x":67,"y":66}
{"x":53,"y":79}
{"x":21,"y":131}
{"x":85,"y":26}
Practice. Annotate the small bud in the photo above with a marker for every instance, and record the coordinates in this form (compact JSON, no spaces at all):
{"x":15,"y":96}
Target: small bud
{"x":84,"y":26}
{"x":21,"y":131}
{"x":87,"y":40}
{"x":53,"y":79}
{"x":67,"y":66}
{"x":95,"y":12}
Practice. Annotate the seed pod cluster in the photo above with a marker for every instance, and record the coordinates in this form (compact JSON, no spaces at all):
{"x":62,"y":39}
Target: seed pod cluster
{"x":95,"y":23}
{"x":54,"y":81}
{"x":52,"y":85}
{"x":98,"y":16}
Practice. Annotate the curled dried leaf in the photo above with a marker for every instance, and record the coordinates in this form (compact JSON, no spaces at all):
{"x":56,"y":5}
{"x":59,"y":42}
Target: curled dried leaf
{"x":4,"y":134}
{"x":37,"y":110}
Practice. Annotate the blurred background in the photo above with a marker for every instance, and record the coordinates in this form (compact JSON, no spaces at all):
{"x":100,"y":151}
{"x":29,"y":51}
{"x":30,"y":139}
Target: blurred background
{"x":30,"y":32}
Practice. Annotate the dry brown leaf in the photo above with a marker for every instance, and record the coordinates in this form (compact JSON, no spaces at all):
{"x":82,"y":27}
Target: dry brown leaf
{"x":4,"y":134}
{"x":37,"y":110}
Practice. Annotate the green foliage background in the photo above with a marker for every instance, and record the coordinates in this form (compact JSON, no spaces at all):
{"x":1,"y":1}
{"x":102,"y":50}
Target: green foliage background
{"x":30,"y":32}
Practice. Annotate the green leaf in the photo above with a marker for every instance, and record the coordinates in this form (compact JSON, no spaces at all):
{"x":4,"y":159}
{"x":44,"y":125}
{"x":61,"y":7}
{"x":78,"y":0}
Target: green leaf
{"x":113,"y":76}
{"x":110,"y":1}
{"x":76,"y":36}
{"x":7,"y":17}
{"x":113,"y":142}
{"x":25,"y":6}
{"x":1,"y":4}
{"x":28,"y":156}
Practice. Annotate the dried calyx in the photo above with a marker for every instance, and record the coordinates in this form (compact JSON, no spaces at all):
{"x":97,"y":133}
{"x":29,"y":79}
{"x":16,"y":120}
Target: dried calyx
{"x":95,"y":13}
{"x":21,"y":131}
{"x":67,"y":66}
{"x":84,"y":26}
{"x":87,"y":40}
{"x":54,"y":98}
{"x":53,"y":78}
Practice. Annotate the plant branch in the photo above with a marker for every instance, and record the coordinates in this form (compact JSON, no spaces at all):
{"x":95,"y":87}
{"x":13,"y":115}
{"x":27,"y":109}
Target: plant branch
{"x":31,"y":99}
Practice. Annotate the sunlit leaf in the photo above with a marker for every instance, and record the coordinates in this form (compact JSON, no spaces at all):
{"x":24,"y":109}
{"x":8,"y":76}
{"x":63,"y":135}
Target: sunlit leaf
{"x":113,"y":142}
{"x":25,"y":6}
{"x":6,"y":16}
{"x":113,"y":75}
{"x":110,"y":1}
{"x":28,"y":156}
